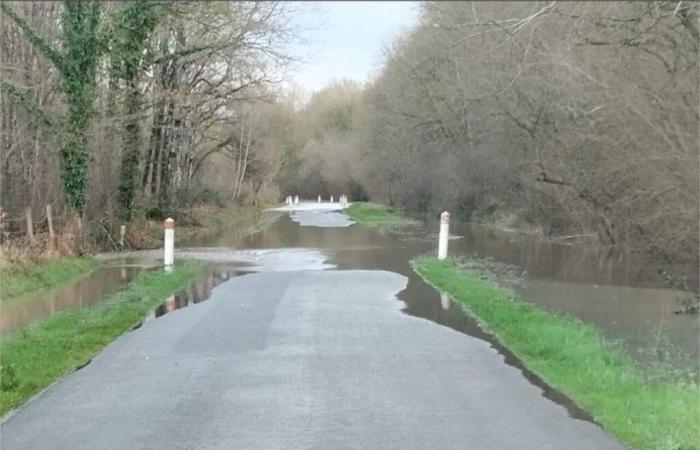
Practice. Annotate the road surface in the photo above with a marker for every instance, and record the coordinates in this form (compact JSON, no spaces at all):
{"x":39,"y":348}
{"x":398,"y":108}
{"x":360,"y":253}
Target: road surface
{"x":298,"y":359}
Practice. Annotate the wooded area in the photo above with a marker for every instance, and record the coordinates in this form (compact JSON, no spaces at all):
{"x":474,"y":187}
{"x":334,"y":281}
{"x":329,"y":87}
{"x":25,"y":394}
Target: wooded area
{"x":117,"y":110}
{"x":568,"y":118}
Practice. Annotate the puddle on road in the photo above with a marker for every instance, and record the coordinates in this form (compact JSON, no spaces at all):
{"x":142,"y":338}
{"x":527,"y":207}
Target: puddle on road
{"x":199,"y":290}
{"x":88,"y":290}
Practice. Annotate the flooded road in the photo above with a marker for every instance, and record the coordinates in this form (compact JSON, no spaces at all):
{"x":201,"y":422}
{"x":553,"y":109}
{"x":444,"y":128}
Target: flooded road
{"x":317,"y":336}
{"x":264,"y":353}
{"x":625,"y":300}
{"x":622,"y":296}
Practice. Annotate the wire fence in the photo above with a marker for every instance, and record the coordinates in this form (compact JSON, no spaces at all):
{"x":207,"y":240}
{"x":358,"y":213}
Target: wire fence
{"x":28,"y":224}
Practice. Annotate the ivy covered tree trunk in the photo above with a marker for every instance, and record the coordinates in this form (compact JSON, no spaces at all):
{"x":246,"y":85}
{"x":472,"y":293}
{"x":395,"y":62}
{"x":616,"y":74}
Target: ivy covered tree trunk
{"x":80,"y":21}
{"x":77,"y":65}
{"x":131,"y":152}
{"x":136,"y":22}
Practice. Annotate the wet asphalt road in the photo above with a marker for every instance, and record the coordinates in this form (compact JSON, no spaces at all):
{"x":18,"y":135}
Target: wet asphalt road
{"x":319,"y":359}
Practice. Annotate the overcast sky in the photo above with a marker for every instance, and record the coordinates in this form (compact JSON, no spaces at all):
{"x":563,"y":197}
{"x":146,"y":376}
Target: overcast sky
{"x":346,"y":39}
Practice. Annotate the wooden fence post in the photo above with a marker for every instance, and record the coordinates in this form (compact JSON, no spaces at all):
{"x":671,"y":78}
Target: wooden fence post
{"x":30,"y":226}
{"x":3,"y":214}
{"x":49,"y":219}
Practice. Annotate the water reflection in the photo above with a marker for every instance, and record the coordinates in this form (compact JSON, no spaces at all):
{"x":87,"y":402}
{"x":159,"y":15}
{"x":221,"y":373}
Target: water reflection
{"x":622,"y":296}
{"x":91,"y":289}
{"x":199,"y":290}
{"x":564,"y":262}
{"x":444,"y":300}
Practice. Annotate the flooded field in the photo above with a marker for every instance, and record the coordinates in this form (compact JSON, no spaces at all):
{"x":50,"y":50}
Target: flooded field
{"x":622,"y":296}
{"x":102,"y":281}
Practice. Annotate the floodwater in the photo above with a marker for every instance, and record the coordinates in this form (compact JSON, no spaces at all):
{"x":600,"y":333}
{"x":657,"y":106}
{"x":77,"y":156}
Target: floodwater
{"x":90,"y":289}
{"x":620,"y":294}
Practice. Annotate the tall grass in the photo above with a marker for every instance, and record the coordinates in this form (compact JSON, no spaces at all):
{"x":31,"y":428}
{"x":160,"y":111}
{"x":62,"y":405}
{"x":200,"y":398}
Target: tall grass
{"x":31,"y":278}
{"x":573,"y":357}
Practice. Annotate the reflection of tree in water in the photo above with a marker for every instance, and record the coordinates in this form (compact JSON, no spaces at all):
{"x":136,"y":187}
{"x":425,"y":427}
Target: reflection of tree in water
{"x":198,"y":291}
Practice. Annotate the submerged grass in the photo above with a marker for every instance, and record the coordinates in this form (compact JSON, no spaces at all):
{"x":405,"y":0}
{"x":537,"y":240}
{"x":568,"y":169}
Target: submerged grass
{"x":573,"y":357}
{"x":34,"y":356}
{"x":374,"y":214}
{"x":198,"y":222}
{"x":16,"y":282}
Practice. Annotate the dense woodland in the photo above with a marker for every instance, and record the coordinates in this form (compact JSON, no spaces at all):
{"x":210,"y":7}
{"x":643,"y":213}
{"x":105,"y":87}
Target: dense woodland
{"x":571,"y":119}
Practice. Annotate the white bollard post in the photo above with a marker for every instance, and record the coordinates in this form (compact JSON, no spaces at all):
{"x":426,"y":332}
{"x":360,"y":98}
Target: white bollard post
{"x":331,"y":199}
{"x":444,"y":301}
{"x":122,"y":235}
{"x":169,"y":244}
{"x":296,"y":200}
{"x":319,"y":199}
{"x":444,"y":235}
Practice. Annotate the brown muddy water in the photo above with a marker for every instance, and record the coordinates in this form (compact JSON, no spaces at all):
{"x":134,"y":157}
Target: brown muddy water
{"x":88,"y":290}
{"x":620,"y":294}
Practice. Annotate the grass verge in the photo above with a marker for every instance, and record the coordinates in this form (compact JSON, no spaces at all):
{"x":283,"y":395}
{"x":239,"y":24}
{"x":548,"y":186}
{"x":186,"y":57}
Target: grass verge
{"x":374,"y":214}
{"x":34,"y":356}
{"x":39,"y":277}
{"x":573,"y":357}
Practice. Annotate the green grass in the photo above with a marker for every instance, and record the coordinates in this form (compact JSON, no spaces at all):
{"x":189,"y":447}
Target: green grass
{"x":573,"y":357}
{"x":39,"y":277}
{"x":373,"y":214}
{"x":34,"y":356}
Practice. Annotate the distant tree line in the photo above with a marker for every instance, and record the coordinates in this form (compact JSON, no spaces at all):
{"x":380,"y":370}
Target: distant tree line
{"x":573,"y":118}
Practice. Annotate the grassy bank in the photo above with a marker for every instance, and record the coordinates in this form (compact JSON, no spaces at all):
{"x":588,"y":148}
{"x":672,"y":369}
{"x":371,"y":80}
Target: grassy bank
{"x":373,"y":214}
{"x":573,"y":357}
{"x":36,"y":355}
{"x":19,"y":281}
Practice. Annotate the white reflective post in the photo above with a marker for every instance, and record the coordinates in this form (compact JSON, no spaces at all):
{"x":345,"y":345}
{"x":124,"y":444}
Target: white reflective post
{"x":444,"y":301}
{"x":169,"y":242}
{"x":296,"y":200}
{"x":319,"y":199}
{"x":122,"y":235}
{"x":444,"y":235}
{"x":331,"y":199}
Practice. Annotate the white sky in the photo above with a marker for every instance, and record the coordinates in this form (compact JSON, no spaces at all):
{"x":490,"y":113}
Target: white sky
{"x":345,"y":39}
